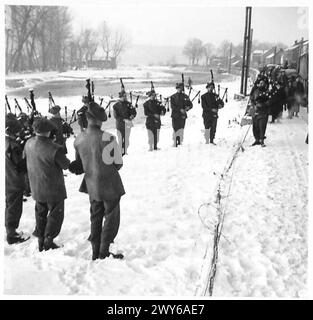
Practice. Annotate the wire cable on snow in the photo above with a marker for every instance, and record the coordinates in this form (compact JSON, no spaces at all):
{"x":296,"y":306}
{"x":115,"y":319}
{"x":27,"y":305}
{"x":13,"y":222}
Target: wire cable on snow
{"x":221,"y":212}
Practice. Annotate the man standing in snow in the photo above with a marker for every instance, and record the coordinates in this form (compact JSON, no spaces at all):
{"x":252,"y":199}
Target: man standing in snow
{"x":45,"y":164}
{"x":124,"y":113}
{"x":99,"y":157}
{"x":14,"y":180}
{"x":299,"y":95}
{"x":277,"y":101}
{"x":153,"y":110}
{"x":210,"y":108}
{"x":260,"y":103}
{"x":290,"y":93}
{"x":180,"y":104}
{"x":57,"y":133}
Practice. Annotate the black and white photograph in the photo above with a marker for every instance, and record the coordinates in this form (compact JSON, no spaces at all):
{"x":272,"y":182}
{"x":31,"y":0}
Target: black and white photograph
{"x":155,"y":149}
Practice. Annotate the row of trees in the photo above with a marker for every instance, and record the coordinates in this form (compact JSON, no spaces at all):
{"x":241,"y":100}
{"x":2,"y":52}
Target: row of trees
{"x":196,"y":50}
{"x":41,"y":38}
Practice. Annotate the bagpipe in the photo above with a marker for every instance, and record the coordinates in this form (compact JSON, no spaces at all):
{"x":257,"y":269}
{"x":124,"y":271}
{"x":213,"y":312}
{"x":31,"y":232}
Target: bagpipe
{"x":67,"y":129}
{"x":132,"y":108}
{"x":218,"y":98}
{"x":31,"y":107}
{"x":108,"y":104}
{"x":189,"y":86}
{"x":159,"y":99}
{"x":7,"y":105}
{"x":32,"y":111}
{"x":90,"y":90}
{"x":26,"y":130}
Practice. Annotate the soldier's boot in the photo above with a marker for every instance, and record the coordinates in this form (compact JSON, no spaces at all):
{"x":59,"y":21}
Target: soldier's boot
{"x":212,"y":142}
{"x":40,"y":244}
{"x":14,"y":237}
{"x":19,"y":238}
{"x":104,"y":250}
{"x":49,"y":244}
{"x":95,"y":250}
{"x":35,"y":233}
{"x":256,"y":142}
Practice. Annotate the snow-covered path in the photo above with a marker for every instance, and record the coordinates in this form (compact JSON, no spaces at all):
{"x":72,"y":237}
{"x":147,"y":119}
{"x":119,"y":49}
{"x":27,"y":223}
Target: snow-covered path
{"x":267,"y":252}
{"x":161,"y":235}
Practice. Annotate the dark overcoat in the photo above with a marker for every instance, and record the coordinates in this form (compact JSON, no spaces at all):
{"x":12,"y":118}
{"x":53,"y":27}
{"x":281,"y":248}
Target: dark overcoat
{"x":102,"y":180}
{"x":122,"y":111}
{"x":44,"y":171}
{"x":209,"y":105}
{"x":180,"y":101}
{"x":14,"y":173}
{"x":153,"y":110}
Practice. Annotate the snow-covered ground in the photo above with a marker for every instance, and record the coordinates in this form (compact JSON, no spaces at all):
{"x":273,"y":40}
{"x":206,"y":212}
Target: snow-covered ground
{"x":167,"y":247}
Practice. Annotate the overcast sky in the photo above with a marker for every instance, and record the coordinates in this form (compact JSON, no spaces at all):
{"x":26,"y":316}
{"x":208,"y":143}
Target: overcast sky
{"x":161,"y":23}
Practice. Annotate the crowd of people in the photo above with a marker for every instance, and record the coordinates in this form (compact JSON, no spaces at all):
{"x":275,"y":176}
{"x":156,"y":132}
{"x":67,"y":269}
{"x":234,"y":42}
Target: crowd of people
{"x":270,"y":97}
{"x":36,"y":154}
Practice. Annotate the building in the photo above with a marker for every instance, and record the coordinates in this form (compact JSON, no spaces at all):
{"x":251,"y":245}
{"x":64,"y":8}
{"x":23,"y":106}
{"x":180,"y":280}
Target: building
{"x":292,"y":54}
{"x":257,"y":58}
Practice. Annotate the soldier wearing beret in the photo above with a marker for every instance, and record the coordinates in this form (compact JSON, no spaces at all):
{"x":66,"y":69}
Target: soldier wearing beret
{"x":81,"y":114}
{"x":124,"y":113}
{"x":45,"y":164}
{"x":180,"y":104}
{"x":57,"y":132}
{"x":260,"y":103}
{"x":15,"y":169}
{"x":153,"y":110}
{"x":99,"y":157}
{"x":210,"y":108}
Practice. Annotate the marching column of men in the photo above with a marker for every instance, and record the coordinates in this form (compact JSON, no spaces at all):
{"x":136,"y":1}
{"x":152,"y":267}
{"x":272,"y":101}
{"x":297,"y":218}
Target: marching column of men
{"x":268,"y":97}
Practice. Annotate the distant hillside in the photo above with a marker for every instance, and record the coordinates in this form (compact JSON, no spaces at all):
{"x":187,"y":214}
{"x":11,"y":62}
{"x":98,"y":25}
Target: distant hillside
{"x":160,"y":55}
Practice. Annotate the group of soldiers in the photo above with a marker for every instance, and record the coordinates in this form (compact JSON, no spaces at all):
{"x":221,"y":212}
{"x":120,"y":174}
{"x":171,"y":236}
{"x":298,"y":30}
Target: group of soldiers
{"x":270,"y":97}
{"x":38,"y":159}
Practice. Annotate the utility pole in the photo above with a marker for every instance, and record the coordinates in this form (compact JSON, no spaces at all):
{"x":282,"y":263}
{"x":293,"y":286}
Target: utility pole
{"x":230,"y":53}
{"x":275,"y":52}
{"x":247,"y":42}
{"x":248,"y":59}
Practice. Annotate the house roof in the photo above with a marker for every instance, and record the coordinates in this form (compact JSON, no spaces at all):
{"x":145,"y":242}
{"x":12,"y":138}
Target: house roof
{"x":295,"y":46}
{"x":257,"y":51}
{"x":235,"y":63}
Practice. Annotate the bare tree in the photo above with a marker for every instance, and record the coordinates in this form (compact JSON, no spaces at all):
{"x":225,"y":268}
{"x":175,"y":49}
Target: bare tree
{"x":86,"y":45}
{"x":223,"y":48}
{"x":37,"y":37}
{"x":193,"y":50}
{"x":105,"y":39}
{"x":120,"y":41}
{"x":207,"y":52}
{"x":24,"y":21}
